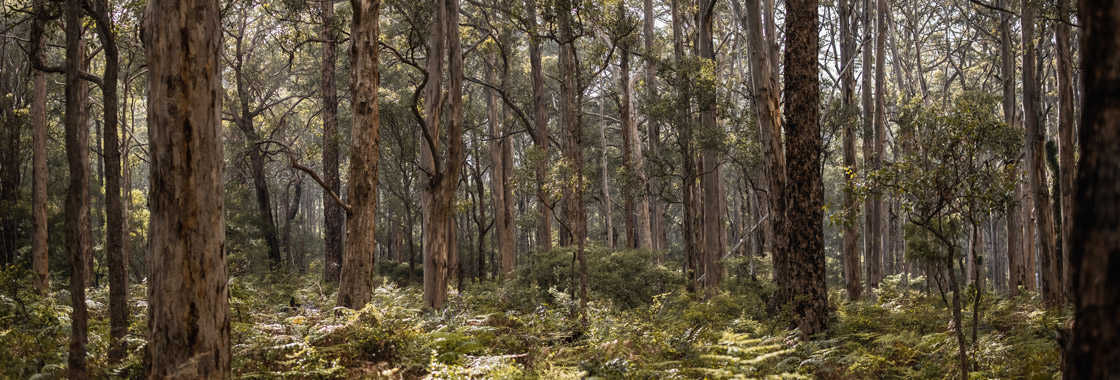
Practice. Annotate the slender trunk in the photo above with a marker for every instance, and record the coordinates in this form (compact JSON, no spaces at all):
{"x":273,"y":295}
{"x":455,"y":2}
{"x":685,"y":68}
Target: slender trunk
{"x":653,"y":185}
{"x":958,"y":319}
{"x":872,"y":256}
{"x":633,"y":156}
{"x":877,"y":226}
{"x":332,"y":213}
{"x":78,"y":234}
{"x":499,"y":178}
{"x":1066,"y":147}
{"x":1094,"y":352}
{"x":540,"y":118}
{"x":851,"y":206}
{"x":570,"y":110}
{"x":605,"y":190}
{"x":39,"y":254}
{"x":1036,"y":169}
{"x":1014,"y":210}
{"x":711,"y":180}
{"x":358,"y":255}
{"x":188,"y":321}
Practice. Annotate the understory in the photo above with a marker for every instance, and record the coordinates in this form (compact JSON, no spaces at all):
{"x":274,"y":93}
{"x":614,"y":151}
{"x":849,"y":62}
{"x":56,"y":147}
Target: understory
{"x":640,"y":324}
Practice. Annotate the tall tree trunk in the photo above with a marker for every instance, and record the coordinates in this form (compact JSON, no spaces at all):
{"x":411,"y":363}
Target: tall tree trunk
{"x":78,"y":234}
{"x":540,"y":119}
{"x":441,"y":170}
{"x":500,"y":147}
{"x":711,"y":180}
{"x":633,"y":156}
{"x":39,"y":254}
{"x":570,"y":111}
{"x":332,"y":213}
{"x":805,"y":195}
{"x":1016,"y":276}
{"x":872,"y":256}
{"x":1066,"y":147}
{"x":653,"y":185}
{"x":767,"y":102}
{"x":114,"y":208}
{"x":291,"y":210}
{"x":188,"y":321}
{"x":358,"y":255}
{"x":605,"y":187}
{"x":1094,"y":352}
{"x":876,"y":226}
{"x":851,"y":206}
{"x":1036,"y":169}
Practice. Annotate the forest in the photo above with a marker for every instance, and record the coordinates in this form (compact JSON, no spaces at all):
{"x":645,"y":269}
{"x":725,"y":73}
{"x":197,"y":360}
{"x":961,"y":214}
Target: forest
{"x":559,"y":189}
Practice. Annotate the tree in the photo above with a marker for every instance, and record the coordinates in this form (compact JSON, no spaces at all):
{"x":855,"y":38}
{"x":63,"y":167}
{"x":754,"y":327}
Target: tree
{"x":101,"y":12}
{"x":1066,"y":147}
{"x":804,"y":198}
{"x":78,"y":234}
{"x":1036,"y":169}
{"x":356,"y":284}
{"x":441,"y":159}
{"x":332,"y":212}
{"x":1015,"y":259}
{"x":572,"y":145}
{"x":711,"y":181}
{"x":851,"y":206}
{"x":40,"y":260}
{"x":1094,"y":350}
{"x":188,"y":320}
{"x":872,"y":254}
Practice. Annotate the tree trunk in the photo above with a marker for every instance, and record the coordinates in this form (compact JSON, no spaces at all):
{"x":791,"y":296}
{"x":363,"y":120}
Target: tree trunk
{"x":1036,"y":169}
{"x":875,"y":212}
{"x":114,"y":208}
{"x":332,"y":213}
{"x":1014,"y":210}
{"x":188,"y":321}
{"x":872,"y":257}
{"x":441,"y":166}
{"x":570,"y":111}
{"x":1066,"y":148}
{"x":500,"y":174}
{"x":958,"y":319}
{"x":653,"y":185}
{"x":78,"y":234}
{"x":633,"y":156}
{"x":540,"y":118}
{"x":711,"y":181}
{"x":805,"y":195}
{"x":39,"y":254}
{"x":605,"y":187}
{"x":1094,"y":352}
{"x":851,"y":206}
{"x":358,"y":255}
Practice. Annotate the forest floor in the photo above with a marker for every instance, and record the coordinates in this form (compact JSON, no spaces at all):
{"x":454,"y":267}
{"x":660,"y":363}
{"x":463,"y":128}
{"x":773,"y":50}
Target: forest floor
{"x":285,"y":327}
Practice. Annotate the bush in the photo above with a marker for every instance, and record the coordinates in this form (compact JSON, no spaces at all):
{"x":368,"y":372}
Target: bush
{"x":627,"y":279}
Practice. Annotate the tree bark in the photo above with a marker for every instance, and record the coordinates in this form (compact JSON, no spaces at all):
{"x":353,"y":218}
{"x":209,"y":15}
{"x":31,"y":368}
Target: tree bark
{"x":1036,"y":169}
{"x":875,"y":213}
{"x":188,"y":321}
{"x":805,"y":195}
{"x":78,"y":234}
{"x":653,"y":185}
{"x":711,"y":180}
{"x":39,"y":254}
{"x":500,"y":174}
{"x":570,"y":110}
{"x":358,"y":255}
{"x":441,"y":166}
{"x":1094,"y":352}
{"x":1016,"y":276}
{"x":851,"y":206}
{"x":1066,"y":148}
{"x":540,"y":119}
{"x":332,"y":213}
{"x":114,"y":207}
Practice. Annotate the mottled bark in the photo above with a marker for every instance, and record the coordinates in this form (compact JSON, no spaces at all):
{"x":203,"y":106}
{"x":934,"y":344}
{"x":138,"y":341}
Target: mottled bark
{"x":78,"y":234}
{"x":1066,"y":148}
{"x":1016,"y":276}
{"x":501,"y":171}
{"x":540,"y":119}
{"x":851,"y":206}
{"x":872,"y":256}
{"x":805,"y":195}
{"x":1094,"y":352}
{"x":188,"y":320}
{"x":653,"y":184}
{"x":572,"y":146}
{"x":1036,"y":169}
{"x":40,"y":259}
{"x":441,"y":166}
{"x":356,"y":280}
{"x":711,"y":181}
{"x":332,"y":212}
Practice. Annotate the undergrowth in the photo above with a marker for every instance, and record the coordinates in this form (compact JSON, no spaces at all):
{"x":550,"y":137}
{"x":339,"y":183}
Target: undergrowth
{"x":286,"y":327}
